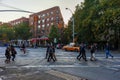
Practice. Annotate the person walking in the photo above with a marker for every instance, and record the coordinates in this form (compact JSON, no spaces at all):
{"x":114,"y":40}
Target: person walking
{"x":54,"y":56}
{"x":107,"y":51}
{"x":51,"y":52}
{"x":79,"y":53}
{"x":7,"y":55}
{"x":47,"y":51}
{"x":82,"y":52}
{"x":23,"y":48}
{"x":13,"y":51}
{"x":92,"y":51}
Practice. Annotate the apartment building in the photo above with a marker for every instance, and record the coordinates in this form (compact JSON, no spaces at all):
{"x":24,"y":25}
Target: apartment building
{"x":19,"y":20}
{"x":43,"y":20}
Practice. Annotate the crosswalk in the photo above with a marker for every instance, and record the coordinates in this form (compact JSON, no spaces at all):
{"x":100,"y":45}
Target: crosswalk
{"x":71,"y":62}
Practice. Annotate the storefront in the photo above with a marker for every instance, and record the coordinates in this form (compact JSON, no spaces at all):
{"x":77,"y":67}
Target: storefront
{"x":42,"y":41}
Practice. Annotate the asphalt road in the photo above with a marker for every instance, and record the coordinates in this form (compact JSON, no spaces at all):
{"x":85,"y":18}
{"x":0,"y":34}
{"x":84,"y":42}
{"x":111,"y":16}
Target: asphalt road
{"x":33,"y":65}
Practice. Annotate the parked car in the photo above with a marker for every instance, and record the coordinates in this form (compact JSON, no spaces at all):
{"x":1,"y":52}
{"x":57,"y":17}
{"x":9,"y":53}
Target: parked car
{"x":71,"y":47}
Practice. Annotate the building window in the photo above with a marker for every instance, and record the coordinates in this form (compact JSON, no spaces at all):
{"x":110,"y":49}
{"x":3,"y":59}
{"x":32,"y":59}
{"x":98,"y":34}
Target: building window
{"x":39,"y":26}
{"x":57,"y":12}
{"x":43,"y":21}
{"x":39,"y":21}
{"x":51,"y":24}
{"x":51,"y":12}
{"x":52,"y":19}
{"x":57,"y":19}
{"x":43,"y":26}
{"x":39,"y":16}
{"x":47,"y":19}
{"x":47,"y":14}
{"x":43,"y":15}
{"x":48,"y":25}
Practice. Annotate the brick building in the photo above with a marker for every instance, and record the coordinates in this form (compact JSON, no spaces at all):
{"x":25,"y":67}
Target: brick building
{"x":43,"y":20}
{"x":19,"y":20}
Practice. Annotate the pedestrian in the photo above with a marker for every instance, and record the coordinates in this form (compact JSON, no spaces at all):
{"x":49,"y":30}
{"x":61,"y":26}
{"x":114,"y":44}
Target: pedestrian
{"x":92,"y":51}
{"x":82,"y":52}
{"x":107,"y":50}
{"x":79,"y":53}
{"x":23,"y":48}
{"x":7,"y":55}
{"x":47,"y":51}
{"x":54,"y":56}
{"x":51,"y":52}
{"x":13,"y":51}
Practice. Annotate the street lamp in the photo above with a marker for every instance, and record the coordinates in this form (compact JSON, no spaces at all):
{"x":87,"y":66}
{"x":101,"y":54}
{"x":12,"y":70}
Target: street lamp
{"x":73,"y":22}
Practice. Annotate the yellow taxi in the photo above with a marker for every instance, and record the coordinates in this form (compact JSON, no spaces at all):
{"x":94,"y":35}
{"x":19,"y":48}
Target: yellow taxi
{"x":71,"y":47}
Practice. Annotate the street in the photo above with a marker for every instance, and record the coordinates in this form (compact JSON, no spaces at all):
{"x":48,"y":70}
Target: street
{"x":33,"y":65}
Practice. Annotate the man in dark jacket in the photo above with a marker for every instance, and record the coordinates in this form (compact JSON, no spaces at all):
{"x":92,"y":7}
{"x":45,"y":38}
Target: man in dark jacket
{"x":51,"y":54}
{"x":13,"y":51}
{"x":47,"y":51}
{"x":107,"y":51}
{"x":7,"y":55}
{"x":82,"y":52}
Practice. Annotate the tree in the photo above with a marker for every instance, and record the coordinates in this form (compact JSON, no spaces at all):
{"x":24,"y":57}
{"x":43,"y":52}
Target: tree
{"x":22,"y":31}
{"x":97,"y":21}
{"x":6,"y":32}
{"x":54,"y":33}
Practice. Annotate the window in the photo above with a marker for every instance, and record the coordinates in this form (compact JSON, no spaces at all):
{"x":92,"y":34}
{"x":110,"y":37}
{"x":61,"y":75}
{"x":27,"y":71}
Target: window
{"x":43,"y":15}
{"x":39,"y":26}
{"x":43,"y":26}
{"x":57,"y":19}
{"x":39,"y":16}
{"x":52,"y":19}
{"x":51,"y":23}
{"x":51,"y":12}
{"x":57,"y":12}
{"x":39,"y":21}
{"x":48,"y":25}
{"x":47,"y":19}
{"x":43,"y":21}
{"x":47,"y":14}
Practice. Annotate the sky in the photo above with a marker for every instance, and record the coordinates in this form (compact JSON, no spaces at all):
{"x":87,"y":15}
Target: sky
{"x":35,"y":6}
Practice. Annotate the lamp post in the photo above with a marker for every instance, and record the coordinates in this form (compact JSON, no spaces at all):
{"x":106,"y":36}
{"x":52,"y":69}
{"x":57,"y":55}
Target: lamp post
{"x":73,"y":34}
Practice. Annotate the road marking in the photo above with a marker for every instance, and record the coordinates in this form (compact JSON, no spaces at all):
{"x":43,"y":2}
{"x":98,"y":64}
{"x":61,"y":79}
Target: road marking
{"x":52,"y":66}
{"x":63,"y":75}
{"x":115,"y":69}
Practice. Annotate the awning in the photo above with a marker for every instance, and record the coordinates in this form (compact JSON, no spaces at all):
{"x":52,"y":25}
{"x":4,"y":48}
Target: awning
{"x":43,"y":38}
{"x":33,"y":39}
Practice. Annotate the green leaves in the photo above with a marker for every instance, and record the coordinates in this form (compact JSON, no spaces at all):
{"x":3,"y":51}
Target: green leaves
{"x":97,"y":20}
{"x":54,"y":33}
{"x":22,"y":31}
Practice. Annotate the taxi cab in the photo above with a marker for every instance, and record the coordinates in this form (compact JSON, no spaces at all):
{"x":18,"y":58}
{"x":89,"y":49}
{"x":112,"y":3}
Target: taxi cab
{"x":71,"y":47}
